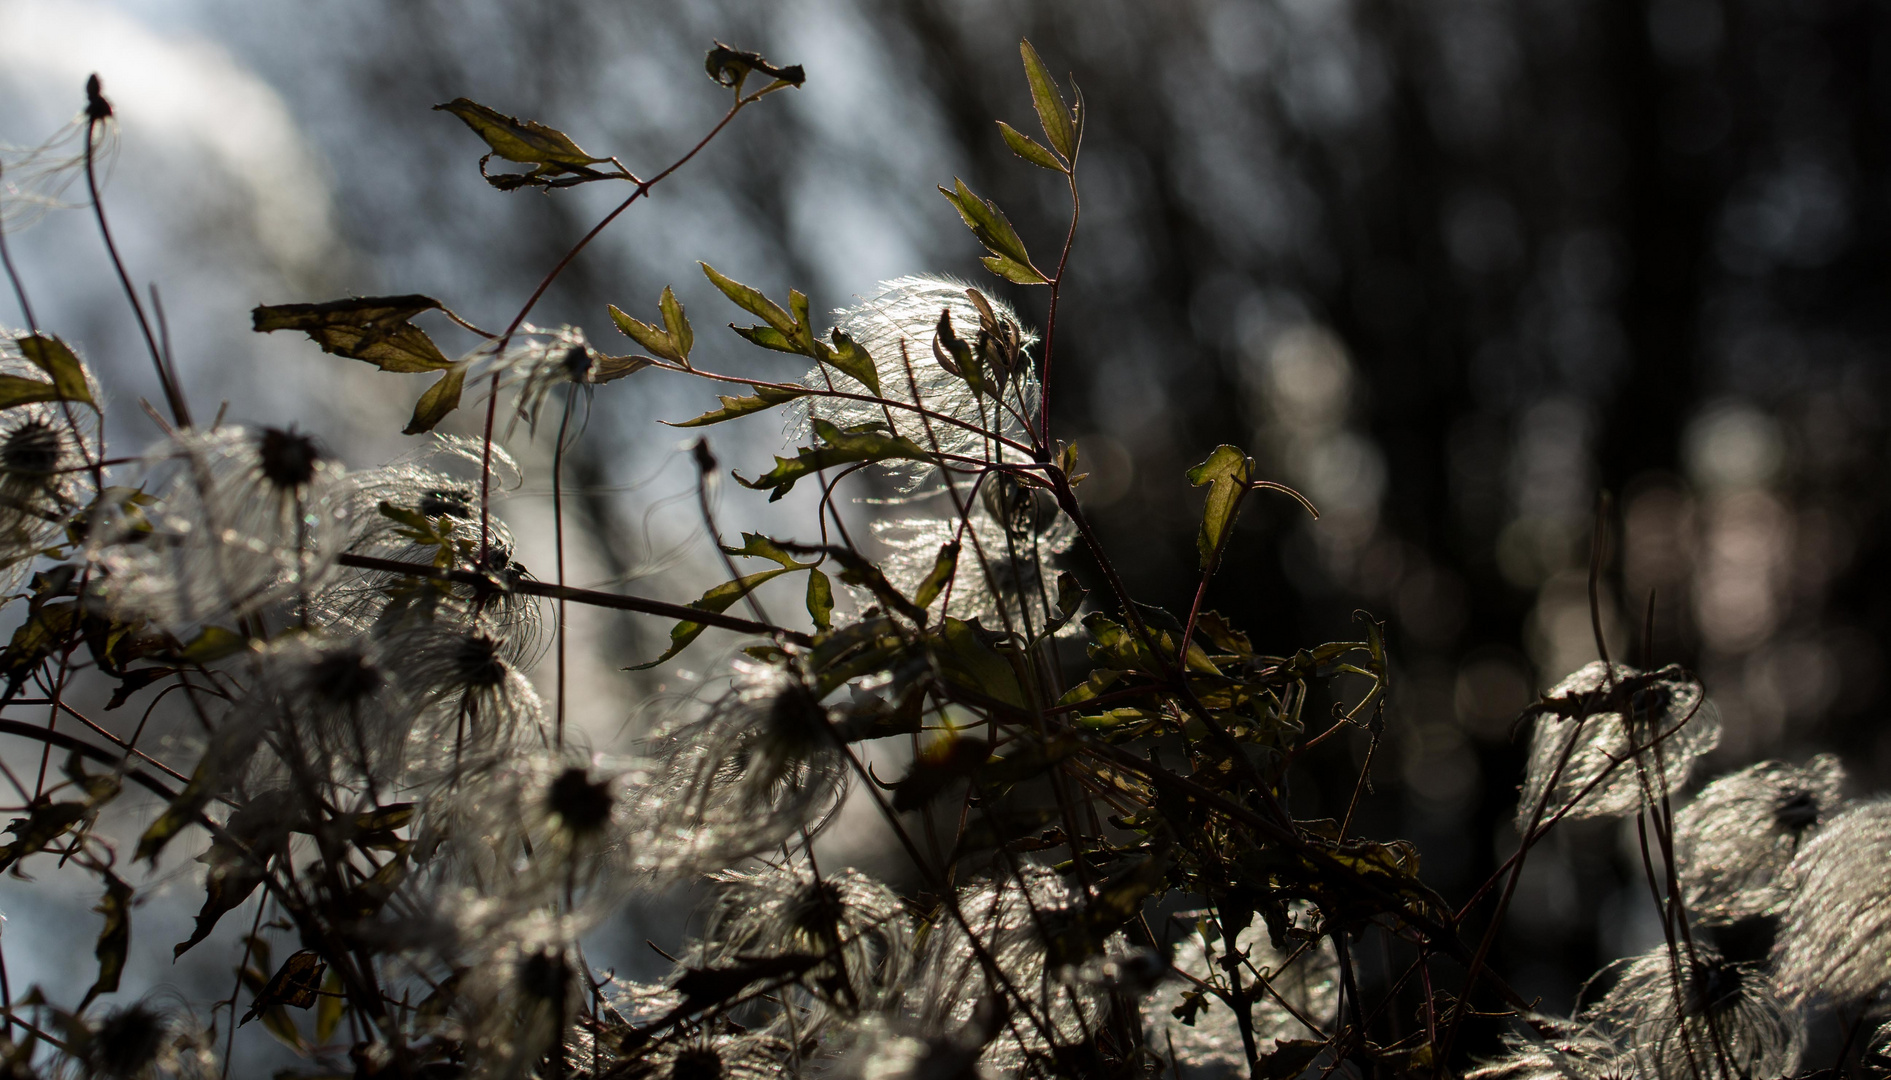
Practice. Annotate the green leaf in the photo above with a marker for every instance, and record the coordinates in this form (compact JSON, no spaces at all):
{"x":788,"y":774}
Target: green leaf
{"x":1226,"y":472}
{"x":371,"y":328}
{"x":947,"y":759}
{"x":45,"y":822}
{"x":766,"y":397}
{"x":613,"y":368}
{"x":768,"y":338}
{"x":1014,"y":271}
{"x":660,"y":342}
{"x":820,"y":600}
{"x":753,"y":302}
{"x":717,"y":599}
{"x":731,"y":67}
{"x":1070,"y":597}
{"x":967,"y":656}
{"x":987,"y":222}
{"x":527,"y":142}
{"x":852,"y":360}
{"x":229,"y":753}
{"x":1027,"y":148}
{"x":1049,"y":102}
{"x":18,"y":390}
{"x":48,"y":627}
{"x":213,"y":643}
{"x":51,"y":356}
{"x":757,"y":546}
{"x":942,"y":570}
{"x":833,"y":447}
{"x":677,"y":323}
{"x":236,"y":859}
{"x":114,"y":941}
{"x":803,"y":328}
{"x":440,"y":399}
{"x":331,"y":1007}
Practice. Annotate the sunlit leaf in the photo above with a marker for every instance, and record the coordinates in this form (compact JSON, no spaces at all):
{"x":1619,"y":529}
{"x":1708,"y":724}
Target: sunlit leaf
{"x":717,"y":599}
{"x":1226,"y":473}
{"x":660,"y":342}
{"x":331,"y":1008}
{"x":1028,"y":148}
{"x":765,"y":397}
{"x":852,"y":360}
{"x":987,"y":222}
{"x":752,"y":301}
{"x":1070,"y":597}
{"x":371,"y":328}
{"x":947,"y":759}
{"x":440,"y":399}
{"x":213,"y":643}
{"x":676,"y":322}
{"x":757,"y":546}
{"x":48,"y":628}
{"x":820,"y":600}
{"x":527,"y":142}
{"x":1049,"y":102}
{"x":833,"y":447}
{"x":1014,"y":271}
{"x":611,"y":368}
{"x":968,"y":658}
{"x":941,"y":574}
{"x":51,"y":356}
{"x":19,"y":390}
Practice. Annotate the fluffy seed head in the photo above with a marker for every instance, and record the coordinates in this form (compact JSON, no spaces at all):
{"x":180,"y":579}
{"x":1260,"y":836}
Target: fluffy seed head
{"x":1835,"y":935}
{"x":1734,"y":841}
{"x":1607,"y":735}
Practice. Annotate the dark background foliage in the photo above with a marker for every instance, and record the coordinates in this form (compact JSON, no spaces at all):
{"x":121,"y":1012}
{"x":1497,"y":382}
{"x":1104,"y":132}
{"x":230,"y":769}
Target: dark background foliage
{"x":1451,"y":267}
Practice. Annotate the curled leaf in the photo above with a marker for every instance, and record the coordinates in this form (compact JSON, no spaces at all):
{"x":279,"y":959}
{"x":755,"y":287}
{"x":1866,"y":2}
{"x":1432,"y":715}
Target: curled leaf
{"x":371,"y":328}
{"x":731,"y":67}
{"x":527,"y":142}
{"x":114,"y":941}
{"x":1226,"y":474}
